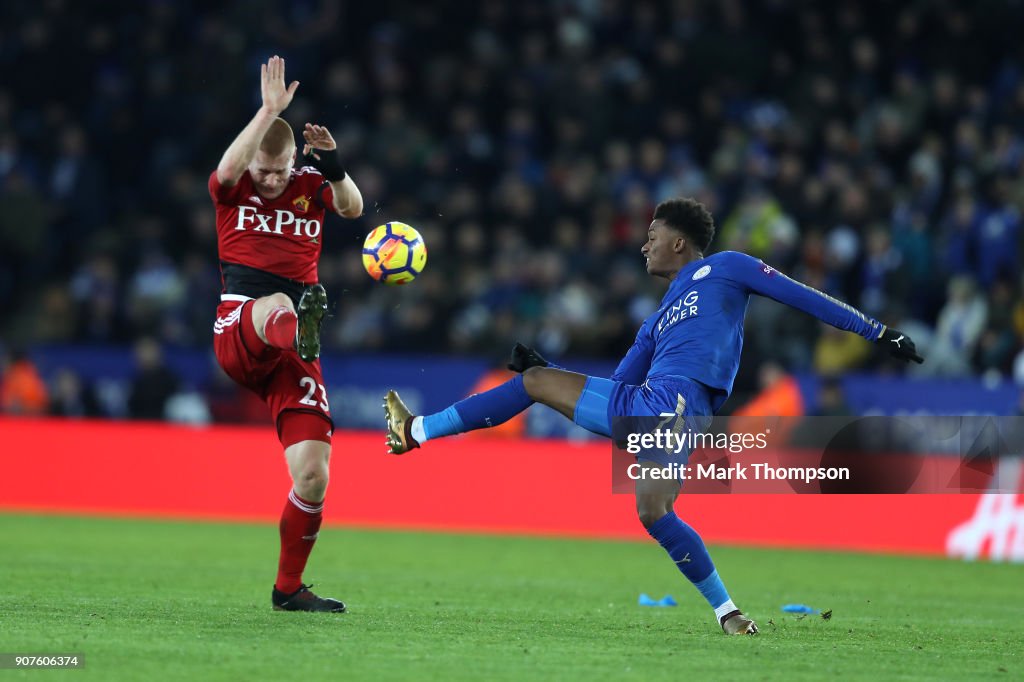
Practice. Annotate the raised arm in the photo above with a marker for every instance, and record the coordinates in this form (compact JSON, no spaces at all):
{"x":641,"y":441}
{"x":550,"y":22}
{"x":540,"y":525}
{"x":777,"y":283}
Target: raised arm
{"x":767,"y":281}
{"x":320,"y":151}
{"x":276,"y":98}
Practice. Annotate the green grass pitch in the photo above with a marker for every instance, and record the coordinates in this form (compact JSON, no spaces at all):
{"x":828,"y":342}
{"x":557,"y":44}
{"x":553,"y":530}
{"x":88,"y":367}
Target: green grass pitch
{"x":159,"y":600}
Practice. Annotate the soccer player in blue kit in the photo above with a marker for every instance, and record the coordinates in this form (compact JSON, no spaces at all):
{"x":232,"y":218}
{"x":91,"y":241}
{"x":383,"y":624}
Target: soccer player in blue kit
{"x":684,"y":362}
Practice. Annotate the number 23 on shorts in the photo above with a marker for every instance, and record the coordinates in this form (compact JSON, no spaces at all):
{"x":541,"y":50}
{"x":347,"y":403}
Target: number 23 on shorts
{"x":311,"y":385}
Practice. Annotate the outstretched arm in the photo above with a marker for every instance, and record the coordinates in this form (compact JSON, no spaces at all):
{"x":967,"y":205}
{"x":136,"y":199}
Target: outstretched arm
{"x":767,"y":281}
{"x":320,"y":151}
{"x":276,"y":98}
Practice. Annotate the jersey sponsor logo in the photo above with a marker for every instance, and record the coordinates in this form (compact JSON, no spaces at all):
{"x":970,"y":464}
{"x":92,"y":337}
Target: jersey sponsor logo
{"x":768,"y":270}
{"x":301,"y":204}
{"x":702,"y":273}
{"x":684,"y":308}
{"x":249,"y":216}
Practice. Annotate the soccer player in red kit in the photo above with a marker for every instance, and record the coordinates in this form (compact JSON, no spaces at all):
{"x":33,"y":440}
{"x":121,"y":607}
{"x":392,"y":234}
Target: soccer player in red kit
{"x":270,"y":216}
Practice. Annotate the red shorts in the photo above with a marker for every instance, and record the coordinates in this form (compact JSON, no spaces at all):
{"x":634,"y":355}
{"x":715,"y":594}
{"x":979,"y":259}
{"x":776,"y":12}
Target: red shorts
{"x":293,"y":389}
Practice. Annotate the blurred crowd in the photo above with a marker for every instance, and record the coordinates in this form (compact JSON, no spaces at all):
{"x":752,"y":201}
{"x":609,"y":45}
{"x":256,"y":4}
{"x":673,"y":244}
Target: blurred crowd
{"x":872,"y":150}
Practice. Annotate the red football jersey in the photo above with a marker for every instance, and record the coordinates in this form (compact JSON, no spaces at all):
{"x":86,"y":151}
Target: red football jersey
{"x":281,"y":236}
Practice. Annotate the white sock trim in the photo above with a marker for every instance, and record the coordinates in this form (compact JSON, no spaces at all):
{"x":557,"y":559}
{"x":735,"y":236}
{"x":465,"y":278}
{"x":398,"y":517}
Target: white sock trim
{"x":272,"y":317}
{"x":416,"y":430}
{"x":725,"y":608}
{"x":309,"y":509}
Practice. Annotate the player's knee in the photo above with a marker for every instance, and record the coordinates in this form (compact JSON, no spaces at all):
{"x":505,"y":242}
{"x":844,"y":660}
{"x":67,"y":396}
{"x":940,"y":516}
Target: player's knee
{"x":311,"y":483}
{"x":649,"y":517}
{"x":263,"y":306}
{"x":279,"y":300}
{"x":533,"y":381}
{"x":650,"y":510}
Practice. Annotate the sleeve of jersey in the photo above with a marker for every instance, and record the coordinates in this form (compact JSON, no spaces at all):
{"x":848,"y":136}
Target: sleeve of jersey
{"x":325,"y":195}
{"x":767,"y":281}
{"x":635,"y":366}
{"x":222,"y":193}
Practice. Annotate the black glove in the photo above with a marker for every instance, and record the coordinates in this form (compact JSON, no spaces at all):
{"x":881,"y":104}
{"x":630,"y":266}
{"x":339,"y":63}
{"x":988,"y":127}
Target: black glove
{"x":328,"y":163}
{"x":524,"y":357}
{"x":899,"y":345}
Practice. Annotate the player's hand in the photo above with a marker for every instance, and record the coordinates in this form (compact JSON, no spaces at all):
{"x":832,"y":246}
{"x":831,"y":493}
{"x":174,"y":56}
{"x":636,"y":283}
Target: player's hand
{"x":276,"y":97}
{"x":524,"y":357}
{"x":899,"y":345}
{"x":317,"y":137}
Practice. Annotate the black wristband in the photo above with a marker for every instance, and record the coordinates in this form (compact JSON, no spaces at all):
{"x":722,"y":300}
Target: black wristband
{"x":328,"y":164}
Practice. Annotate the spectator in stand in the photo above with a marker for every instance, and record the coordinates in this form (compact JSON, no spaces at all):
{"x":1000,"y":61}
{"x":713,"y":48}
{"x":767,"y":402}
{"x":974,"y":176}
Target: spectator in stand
{"x":997,"y":344}
{"x":997,"y":237}
{"x":154,"y":382}
{"x":780,"y":395}
{"x":961,"y":323}
{"x":818,"y":133}
{"x":831,"y":399}
{"x":1017,"y":314}
{"x":834,"y":354}
{"x":72,"y":397}
{"x":22,"y":391}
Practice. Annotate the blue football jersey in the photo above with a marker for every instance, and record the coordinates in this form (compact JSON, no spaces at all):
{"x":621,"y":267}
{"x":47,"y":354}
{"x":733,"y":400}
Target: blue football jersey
{"x":697,"y":332}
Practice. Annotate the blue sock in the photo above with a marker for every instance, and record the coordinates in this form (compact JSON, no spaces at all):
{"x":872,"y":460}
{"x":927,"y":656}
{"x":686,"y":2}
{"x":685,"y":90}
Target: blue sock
{"x":444,"y":423}
{"x":691,"y":556}
{"x":480,"y":410}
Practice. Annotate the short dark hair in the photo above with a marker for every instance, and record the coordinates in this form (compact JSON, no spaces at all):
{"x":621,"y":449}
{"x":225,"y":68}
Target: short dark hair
{"x":689,"y":217}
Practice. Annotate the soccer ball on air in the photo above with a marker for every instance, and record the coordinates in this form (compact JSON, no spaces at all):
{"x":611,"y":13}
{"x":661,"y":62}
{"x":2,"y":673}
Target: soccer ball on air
{"x":394,"y":253}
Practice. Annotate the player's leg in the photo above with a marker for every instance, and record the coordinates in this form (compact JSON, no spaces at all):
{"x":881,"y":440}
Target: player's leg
{"x":308,"y":463}
{"x":688,"y":408}
{"x":277,"y":323}
{"x":309,"y":466}
{"x":655,"y":500}
{"x":297,"y":398}
{"x":303,"y":512}
{"x":556,"y":388}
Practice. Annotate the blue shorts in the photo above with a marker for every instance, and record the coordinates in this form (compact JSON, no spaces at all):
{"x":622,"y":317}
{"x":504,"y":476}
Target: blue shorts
{"x":603,"y":400}
{"x":627,"y":413}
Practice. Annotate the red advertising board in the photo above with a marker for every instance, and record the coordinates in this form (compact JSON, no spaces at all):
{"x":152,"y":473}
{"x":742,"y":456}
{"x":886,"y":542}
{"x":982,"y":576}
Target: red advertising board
{"x":463,"y":484}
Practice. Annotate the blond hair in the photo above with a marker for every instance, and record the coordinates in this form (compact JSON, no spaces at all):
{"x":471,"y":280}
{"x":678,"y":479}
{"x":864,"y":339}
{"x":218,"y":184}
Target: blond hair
{"x":278,"y":139}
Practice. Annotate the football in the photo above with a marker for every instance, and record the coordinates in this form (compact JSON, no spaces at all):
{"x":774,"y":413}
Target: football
{"x":394,"y":253}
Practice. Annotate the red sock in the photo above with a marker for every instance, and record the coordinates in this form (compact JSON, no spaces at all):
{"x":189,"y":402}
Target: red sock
{"x":279,"y":329}
{"x":300,"y":524}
